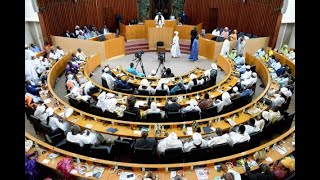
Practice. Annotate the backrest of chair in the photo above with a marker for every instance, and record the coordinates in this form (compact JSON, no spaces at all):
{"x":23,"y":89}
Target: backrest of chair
{"x":180,"y":92}
{"x":254,"y":36}
{"x":220,"y":39}
{"x":73,"y":102}
{"x":144,"y":155}
{"x":255,"y":139}
{"x":144,"y":92}
{"x":129,"y":116}
{"x":109,"y":114}
{"x":84,"y":105}
{"x":197,"y":87}
{"x":174,"y":116}
{"x":240,"y":147}
{"x":173,"y":155}
{"x":101,"y":152}
{"x":192,"y":115}
{"x":226,"y":109}
{"x":249,"y":35}
{"x":160,"y":43}
{"x":211,"y":111}
{"x":220,"y":150}
{"x":198,"y":154}
{"x":128,"y":91}
{"x":122,"y":146}
{"x":104,"y":83}
{"x":154,"y":117}
{"x":96,"y":110}
{"x":161,"y":93}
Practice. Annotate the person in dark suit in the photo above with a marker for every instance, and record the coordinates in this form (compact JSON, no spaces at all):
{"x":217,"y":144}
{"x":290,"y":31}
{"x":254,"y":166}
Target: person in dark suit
{"x":172,"y":105}
{"x":265,"y":173}
{"x":183,"y":17}
{"x":193,"y":34}
{"x":146,"y":142}
{"x":167,"y":74}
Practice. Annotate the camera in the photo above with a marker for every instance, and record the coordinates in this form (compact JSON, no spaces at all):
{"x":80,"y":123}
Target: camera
{"x":139,"y":54}
{"x":161,"y":57}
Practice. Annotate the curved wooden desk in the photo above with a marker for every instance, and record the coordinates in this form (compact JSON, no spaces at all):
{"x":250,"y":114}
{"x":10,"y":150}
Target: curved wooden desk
{"x":161,"y":169}
{"x":97,"y":122}
{"x":284,"y":60}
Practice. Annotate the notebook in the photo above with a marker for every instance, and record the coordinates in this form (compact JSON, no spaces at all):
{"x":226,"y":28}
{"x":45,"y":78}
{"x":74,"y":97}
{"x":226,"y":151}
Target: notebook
{"x":112,"y":130}
{"x":207,"y":129}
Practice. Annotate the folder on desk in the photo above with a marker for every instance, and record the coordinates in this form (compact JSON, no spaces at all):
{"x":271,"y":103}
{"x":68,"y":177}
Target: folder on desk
{"x":207,"y":129}
{"x":112,"y":130}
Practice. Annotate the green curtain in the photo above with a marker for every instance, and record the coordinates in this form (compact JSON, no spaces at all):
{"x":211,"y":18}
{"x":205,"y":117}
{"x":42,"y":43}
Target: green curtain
{"x":177,"y":7}
{"x":143,"y":6}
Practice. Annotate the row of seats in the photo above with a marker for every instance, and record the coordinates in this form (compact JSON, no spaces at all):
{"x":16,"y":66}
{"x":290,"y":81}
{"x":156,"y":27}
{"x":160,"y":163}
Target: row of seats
{"x":124,"y":150}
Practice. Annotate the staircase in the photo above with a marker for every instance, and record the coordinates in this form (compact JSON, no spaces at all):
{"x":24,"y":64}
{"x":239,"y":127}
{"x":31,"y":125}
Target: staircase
{"x":132,"y":47}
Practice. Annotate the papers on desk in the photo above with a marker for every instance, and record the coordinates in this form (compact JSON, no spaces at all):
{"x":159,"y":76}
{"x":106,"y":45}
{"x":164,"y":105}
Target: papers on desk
{"x":281,"y":150}
{"x":173,"y":174}
{"x":45,"y":161}
{"x":201,"y":175}
{"x":140,"y":103}
{"x":89,"y":174}
{"x":97,"y":172}
{"x":269,"y":159}
{"x":136,"y":132}
{"x":127,"y":176}
{"x":254,"y":111}
{"x":231,"y":122}
{"x":46,"y":101}
{"x":89,"y":126}
{"x":189,"y":131}
{"x":73,"y":171}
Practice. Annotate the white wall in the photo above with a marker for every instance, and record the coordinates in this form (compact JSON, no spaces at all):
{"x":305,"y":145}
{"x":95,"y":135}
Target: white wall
{"x":292,"y":41}
{"x":33,"y":33}
{"x":30,"y":15}
{"x":289,"y":16}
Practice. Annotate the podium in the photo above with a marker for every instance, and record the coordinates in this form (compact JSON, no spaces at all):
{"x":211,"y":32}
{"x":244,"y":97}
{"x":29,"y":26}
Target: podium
{"x":164,"y":34}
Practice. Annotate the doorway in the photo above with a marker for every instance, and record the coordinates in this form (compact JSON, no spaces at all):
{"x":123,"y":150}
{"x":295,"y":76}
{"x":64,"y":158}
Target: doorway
{"x":213,"y":19}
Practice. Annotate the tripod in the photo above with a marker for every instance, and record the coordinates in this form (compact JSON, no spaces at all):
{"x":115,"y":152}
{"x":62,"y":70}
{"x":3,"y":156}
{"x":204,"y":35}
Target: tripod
{"x":160,"y":64}
{"x":141,"y":65}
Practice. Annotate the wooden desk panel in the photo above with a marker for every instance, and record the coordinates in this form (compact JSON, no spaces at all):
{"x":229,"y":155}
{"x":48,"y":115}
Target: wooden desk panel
{"x":206,"y":48}
{"x":284,"y":60}
{"x":185,"y":30}
{"x":160,"y":34}
{"x":114,"y":47}
{"x":135,"y":32}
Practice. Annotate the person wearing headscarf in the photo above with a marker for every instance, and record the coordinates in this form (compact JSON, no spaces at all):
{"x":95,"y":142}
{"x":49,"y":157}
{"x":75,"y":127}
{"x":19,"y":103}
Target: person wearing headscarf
{"x":225,"y":33}
{"x":28,"y":53}
{"x":239,"y":136}
{"x":272,"y":115}
{"x":175,"y":47}
{"x":247,"y":74}
{"x":107,"y":75}
{"x":80,"y":54}
{"x":216,"y":32}
{"x":102,"y":103}
{"x":241,"y":46}
{"x":153,"y":73}
{"x":78,"y":30}
{"x":235,"y":92}
{"x":193,"y":81}
{"x":162,"y":86}
{"x":42,"y":112}
{"x":194,"y":49}
{"x":193,"y":106}
{"x":169,"y":142}
{"x":219,"y":138}
{"x":226,"y":100}
{"x":283,"y":168}
{"x":225,"y":48}
{"x":284,"y":50}
{"x":196,"y":142}
{"x":291,"y":55}
{"x":233,"y":53}
{"x":239,"y":59}
{"x":283,"y":80}
{"x":241,"y":68}
{"x":233,"y":35}
{"x":145,"y":85}
{"x":153,"y":108}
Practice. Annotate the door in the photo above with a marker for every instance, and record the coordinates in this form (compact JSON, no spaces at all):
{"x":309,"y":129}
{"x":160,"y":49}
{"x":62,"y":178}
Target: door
{"x":213,"y":19}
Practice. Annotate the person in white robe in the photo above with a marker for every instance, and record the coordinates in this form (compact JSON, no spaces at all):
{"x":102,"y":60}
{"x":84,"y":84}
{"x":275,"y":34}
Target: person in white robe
{"x":42,"y":113}
{"x":225,"y":101}
{"x":251,"y":127}
{"x":219,"y":139}
{"x":111,"y":102}
{"x":159,"y":20}
{"x":162,"y":85}
{"x":153,"y":108}
{"x":74,"y":135}
{"x":145,"y":85}
{"x":28,"y":53}
{"x":239,"y":136}
{"x":89,"y":137}
{"x":247,"y":74}
{"x":30,"y":70}
{"x":291,"y":55}
{"x":80,"y":54}
{"x":59,"y":52}
{"x":216,"y":32}
{"x":102,"y":103}
{"x":86,"y":87}
{"x":153,"y":73}
{"x":235,"y":92}
{"x":53,"y":55}
{"x":175,"y":47}
{"x":278,"y":100}
{"x":78,"y":30}
{"x":241,"y":46}
{"x":193,"y":106}
{"x":106,"y":75}
{"x":259,"y":53}
{"x":272,"y":115}
{"x":249,"y":81}
{"x":194,"y":79}
{"x":225,"y":48}
{"x":196,"y":141}
{"x":169,"y":142}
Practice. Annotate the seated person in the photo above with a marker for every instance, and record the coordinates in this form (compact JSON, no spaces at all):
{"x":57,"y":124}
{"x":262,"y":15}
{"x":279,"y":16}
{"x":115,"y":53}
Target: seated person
{"x":194,"y":81}
{"x":230,"y":175}
{"x":225,"y":101}
{"x":260,"y":53}
{"x":283,"y":168}
{"x":42,"y":112}
{"x":276,"y":64}
{"x":213,"y":72}
{"x":167,"y":74}
{"x":153,"y":73}
{"x":219,"y":139}
{"x":162,"y":86}
{"x":284,"y":50}
{"x":145,"y":142}
{"x":193,"y":106}
{"x":169,"y":142}
{"x":145,"y":85}
{"x":107,"y":75}
{"x":196,"y":142}
{"x":74,"y":68}
{"x":31,"y":101}
{"x":56,"y":123}
{"x":87,"y":86}
{"x":283,"y":80}
{"x":74,"y":135}
{"x":89,"y":137}
{"x":53,"y":55}
{"x":75,"y":59}
{"x":247,"y":74}
{"x":264,"y":174}
{"x":34,"y":48}
{"x":251,"y":127}
{"x":172,"y":105}
{"x":272,"y":115}
{"x":122,"y":83}
{"x":153,"y":108}
{"x":279,"y":99}
{"x":290,"y":86}
{"x":233,"y":53}
{"x":80,"y":54}
{"x":206,"y":102}
{"x":132,"y":107}
{"x":71,"y":82}
{"x":177,"y":87}
{"x":291,"y":55}
{"x":239,"y":136}
{"x":59,"y":52}
{"x":133,"y":71}
{"x":216,"y":32}
{"x":235,"y":92}
{"x":241,"y":68}
{"x":233,"y":36}
{"x":32,"y":89}
{"x":239,"y":59}
{"x":247,"y":91}
{"x":250,"y":81}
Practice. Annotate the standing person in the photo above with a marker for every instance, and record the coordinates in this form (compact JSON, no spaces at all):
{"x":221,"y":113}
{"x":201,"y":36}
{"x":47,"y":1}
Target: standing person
{"x":193,"y":34}
{"x":175,"y":47}
{"x":159,"y":19}
{"x":183,"y":17}
{"x":241,"y":46}
{"x":194,"y":51}
{"x":225,"y":48}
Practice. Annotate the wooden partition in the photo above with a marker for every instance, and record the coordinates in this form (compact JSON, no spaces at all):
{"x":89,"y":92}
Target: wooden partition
{"x":184,"y":30}
{"x":284,"y":60}
{"x":114,"y":47}
{"x":60,"y":67}
{"x":106,"y":49}
{"x":160,"y":34}
{"x":95,"y":61}
{"x":148,"y":24}
{"x":260,"y":67}
{"x":162,"y":169}
{"x":206,"y":48}
{"x":132,"y":32}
